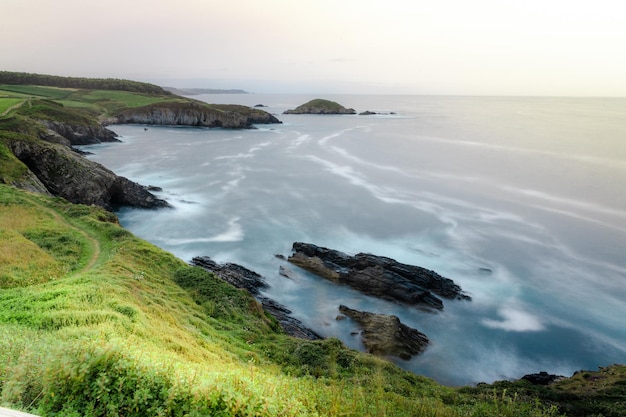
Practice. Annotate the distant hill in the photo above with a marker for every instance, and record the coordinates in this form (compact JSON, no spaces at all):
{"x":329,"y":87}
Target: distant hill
{"x":196,"y":91}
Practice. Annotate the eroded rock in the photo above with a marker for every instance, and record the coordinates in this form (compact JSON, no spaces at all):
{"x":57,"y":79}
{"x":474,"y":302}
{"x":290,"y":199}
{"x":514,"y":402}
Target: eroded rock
{"x":66,"y":174}
{"x":386,"y":336}
{"x":378,"y":276}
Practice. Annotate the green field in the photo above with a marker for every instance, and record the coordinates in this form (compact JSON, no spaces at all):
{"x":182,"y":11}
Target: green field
{"x":36,"y":91}
{"x":7,"y":103}
{"x":98,"y":102}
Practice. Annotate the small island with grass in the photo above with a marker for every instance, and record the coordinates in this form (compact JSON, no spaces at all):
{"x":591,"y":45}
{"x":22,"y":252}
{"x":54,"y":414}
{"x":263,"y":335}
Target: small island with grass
{"x":320,"y":106}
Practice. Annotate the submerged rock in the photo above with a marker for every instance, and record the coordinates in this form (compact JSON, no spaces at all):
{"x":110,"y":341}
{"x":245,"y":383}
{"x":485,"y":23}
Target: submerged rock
{"x":386,"y":336}
{"x":378,"y":276}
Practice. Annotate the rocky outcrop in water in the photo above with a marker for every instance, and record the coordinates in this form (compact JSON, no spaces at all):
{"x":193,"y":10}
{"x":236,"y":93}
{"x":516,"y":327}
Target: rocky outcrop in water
{"x":252,"y":282}
{"x":320,"y":106}
{"x":385,"y":335}
{"x":378,"y":276}
{"x":66,"y":174}
{"x":195,"y":114}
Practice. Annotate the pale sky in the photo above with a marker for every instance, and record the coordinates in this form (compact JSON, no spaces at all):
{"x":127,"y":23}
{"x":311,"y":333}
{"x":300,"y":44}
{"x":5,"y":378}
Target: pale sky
{"x":485,"y":47}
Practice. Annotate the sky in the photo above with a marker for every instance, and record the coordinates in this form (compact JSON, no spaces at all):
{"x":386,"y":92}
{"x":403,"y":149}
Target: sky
{"x":478,"y":47}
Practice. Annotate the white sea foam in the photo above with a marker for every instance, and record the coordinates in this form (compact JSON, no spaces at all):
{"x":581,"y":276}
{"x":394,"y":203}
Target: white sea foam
{"x":237,"y":156}
{"x":233,"y":233}
{"x":514,"y":319}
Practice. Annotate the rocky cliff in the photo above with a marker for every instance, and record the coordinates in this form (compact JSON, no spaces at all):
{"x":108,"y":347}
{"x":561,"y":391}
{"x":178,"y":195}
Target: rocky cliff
{"x":195,"y":114}
{"x":77,"y":134}
{"x":66,"y":174}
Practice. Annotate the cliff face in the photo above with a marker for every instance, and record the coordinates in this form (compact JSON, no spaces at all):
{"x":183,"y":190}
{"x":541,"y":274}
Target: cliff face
{"x":66,"y":174}
{"x":195,"y":114}
{"x":80,"y":134}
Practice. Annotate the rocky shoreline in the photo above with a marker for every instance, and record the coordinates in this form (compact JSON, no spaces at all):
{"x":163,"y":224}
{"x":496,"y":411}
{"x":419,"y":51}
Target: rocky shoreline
{"x":241,"y":277}
{"x":381,"y":334}
{"x":56,"y":168}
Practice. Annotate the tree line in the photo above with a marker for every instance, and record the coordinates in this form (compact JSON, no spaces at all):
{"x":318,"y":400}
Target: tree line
{"x":23,"y":78}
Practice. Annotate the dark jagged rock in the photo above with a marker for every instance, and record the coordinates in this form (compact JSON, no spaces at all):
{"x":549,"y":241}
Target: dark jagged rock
{"x":252,"y":282}
{"x":386,"y":336}
{"x":234,"y":274}
{"x":195,"y":114}
{"x":320,"y":106}
{"x":378,"y":276}
{"x":289,"y":324}
{"x":367,"y":113}
{"x":66,"y":174}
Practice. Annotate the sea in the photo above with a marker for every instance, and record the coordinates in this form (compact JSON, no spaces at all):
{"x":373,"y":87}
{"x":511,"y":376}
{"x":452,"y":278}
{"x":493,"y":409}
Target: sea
{"x":520,"y":200}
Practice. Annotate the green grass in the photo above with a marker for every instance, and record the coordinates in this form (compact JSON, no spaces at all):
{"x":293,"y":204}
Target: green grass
{"x":115,"y":326}
{"x":36,"y":91}
{"x":7,"y":103}
{"x":93,"y":102}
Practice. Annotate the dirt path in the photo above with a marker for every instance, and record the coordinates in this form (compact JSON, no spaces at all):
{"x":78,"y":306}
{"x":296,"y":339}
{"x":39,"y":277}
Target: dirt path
{"x":13,"y":107}
{"x":93,"y":242}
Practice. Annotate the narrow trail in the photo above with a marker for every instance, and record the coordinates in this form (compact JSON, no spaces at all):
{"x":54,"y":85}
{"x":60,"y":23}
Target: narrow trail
{"x":13,"y":107}
{"x":96,"y":251}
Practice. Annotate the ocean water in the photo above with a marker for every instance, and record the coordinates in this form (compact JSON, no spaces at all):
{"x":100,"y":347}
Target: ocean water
{"x":521,"y":201}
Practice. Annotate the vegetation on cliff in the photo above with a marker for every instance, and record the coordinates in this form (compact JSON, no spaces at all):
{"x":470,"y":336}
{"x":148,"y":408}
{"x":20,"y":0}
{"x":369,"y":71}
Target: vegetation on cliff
{"x":96,"y":322}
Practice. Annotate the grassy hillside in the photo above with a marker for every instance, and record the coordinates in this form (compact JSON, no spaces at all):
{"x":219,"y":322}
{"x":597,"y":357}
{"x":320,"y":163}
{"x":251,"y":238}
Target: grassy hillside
{"x":94,"y":321}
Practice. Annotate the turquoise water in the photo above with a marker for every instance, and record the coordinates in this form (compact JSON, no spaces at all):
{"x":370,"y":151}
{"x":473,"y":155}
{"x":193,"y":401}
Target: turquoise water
{"x":531,"y":189}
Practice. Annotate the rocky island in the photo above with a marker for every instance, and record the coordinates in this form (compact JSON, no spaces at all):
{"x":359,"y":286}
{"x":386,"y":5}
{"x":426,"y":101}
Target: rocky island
{"x":320,"y":106}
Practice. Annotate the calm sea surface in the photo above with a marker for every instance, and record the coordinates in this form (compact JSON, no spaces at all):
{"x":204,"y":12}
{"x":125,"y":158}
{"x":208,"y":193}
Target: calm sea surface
{"x":521,"y":201}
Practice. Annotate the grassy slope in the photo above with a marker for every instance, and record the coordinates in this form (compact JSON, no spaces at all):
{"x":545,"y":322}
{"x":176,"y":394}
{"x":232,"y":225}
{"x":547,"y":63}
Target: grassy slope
{"x":94,"y":321}
{"x":89,"y":313}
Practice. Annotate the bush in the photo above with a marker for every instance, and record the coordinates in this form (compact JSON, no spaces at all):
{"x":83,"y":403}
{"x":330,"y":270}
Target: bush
{"x":106,"y":382}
